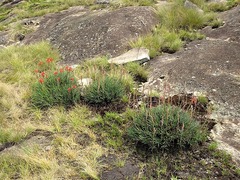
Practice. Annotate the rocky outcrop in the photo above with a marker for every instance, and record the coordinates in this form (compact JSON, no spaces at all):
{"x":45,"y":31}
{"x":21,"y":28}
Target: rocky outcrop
{"x":210,"y":66}
{"x":80,"y":34}
{"x":140,"y":55}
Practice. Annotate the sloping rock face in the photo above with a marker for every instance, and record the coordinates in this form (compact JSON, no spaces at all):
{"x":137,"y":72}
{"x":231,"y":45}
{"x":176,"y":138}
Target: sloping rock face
{"x":80,"y":34}
{"x":210,"y":66}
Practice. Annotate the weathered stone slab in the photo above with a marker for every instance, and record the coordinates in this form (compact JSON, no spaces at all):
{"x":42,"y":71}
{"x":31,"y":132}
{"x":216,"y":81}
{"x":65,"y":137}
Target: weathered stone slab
{"x":134,"y":55}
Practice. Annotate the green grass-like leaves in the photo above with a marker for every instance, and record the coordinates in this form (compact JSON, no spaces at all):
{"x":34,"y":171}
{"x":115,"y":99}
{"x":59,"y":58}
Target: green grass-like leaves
{"x":105,"y":91}
{"x":58,"y":88}
{"x":165,"y":127}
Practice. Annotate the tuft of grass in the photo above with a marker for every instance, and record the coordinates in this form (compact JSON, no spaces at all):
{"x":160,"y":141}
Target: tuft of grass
{"x":139,"y":73}
{"x":213,"y":146}
{"x":111,"y":128}
{"x":34,"y":8}
{"x":190,"y":35}
{"x":222,"y":6}
{"x":24,"y":164}
{"x":88,"y":159}
{"x":10,"y":136}
{"x":202,"y":99}
{"x":104,"y":91}
{"x":135,"y":2}
{"x":19,"y":62}
{"x":161,"y":40}
{"x":178,"y":17}
{"x":99,"y":67}
{"x":165,"y":127}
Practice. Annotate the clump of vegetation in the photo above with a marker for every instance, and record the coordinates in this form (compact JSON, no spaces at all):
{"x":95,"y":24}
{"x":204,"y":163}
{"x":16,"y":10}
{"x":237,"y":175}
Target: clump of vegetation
{"x":165,"y":127}
{"x":99,"y":67}
{"x":111,"y":127}
{"x":55,"y":88}
{"x":161,"y":40}
{"x":105,"y":91}
{"x":137,"y":71}
{"x":135,"y":2}
{"x":179,"y":17}
{"x":222,"y":6}
{"x":178,"y":25}
{"x":20,"y":61}
{"x":189,"y":35}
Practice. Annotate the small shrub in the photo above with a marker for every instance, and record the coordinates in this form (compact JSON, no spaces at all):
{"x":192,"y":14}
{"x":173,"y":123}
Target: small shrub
{"x":104,"y":91}
{"x":164,"y":127}
{"x":55,"y":88}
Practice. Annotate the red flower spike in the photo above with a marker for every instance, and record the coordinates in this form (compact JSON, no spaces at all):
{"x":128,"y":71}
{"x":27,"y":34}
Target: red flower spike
{"x":49,"y":60}
{"x":71,"y":79}
{"x":55,"y":73}
{"x":58,"y":79}
{"x":43,"y":74}
{"x":41,"y":80}
{"x":40,"y":63}
{"x":36,"y":70}
{"x":74,"y":86}
{"x":61,"y":70}
{"x":70,"y":69}
{"x":69,"y":89}
{"x":66,"y":68}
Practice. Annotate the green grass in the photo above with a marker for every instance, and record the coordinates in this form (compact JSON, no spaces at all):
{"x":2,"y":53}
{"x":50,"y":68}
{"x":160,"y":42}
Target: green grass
{"x":161,"y":40}
{"x":178,"y":25}
{"x":165,"y":127}
{"x":137,"y":2}
{"x":104,"y":91}
{"x":19,"y":62}
{"x":139,"y":73}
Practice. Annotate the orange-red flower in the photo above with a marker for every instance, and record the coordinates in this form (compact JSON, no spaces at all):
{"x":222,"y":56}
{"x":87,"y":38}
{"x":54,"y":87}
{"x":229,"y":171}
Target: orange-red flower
{"x":69,"y":89}
{"x":74,"y":86}
{"x":71,"y":79}
{"x":61,"y":70}
{"x":43,"y":74}
{"x":55,"y":73}
{"x":41,"y":80}
{"x":58,"y":79}
{"x":40,"y":63}
{"x":194,"y":100}
{"x":36,"y":70}
{"x":49,"y":60}
{"x":67,"y":68}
